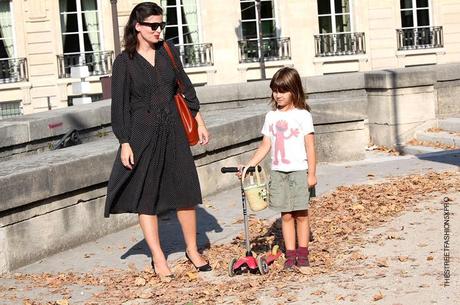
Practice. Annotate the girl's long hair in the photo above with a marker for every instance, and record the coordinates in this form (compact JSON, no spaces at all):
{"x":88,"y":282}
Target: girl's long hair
{"x":139,"y":13}
{"x":288,"y":80}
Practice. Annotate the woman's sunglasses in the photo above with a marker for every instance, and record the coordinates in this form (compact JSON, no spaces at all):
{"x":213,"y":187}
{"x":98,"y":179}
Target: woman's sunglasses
{"x":154,"y":25}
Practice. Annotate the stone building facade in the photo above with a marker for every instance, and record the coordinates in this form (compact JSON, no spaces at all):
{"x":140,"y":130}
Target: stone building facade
{"x":41,"y":40}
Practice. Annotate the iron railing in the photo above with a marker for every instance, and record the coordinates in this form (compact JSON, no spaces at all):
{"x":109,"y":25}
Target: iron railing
{"x":420,"y":38}
{"x":196,"y":55}
{"x":13,"y":70}
{"x":273,"y":49}
{"x":340,"y":44}
{"x":10,"y":109}
{"x":99,"y":63}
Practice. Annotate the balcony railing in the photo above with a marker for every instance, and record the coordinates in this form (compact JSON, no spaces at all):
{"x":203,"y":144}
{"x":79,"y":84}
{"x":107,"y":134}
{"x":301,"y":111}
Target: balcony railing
{"x":340,"y":44}
{"x":99,"y":63}
{"x":420,"y":38}
{"x":13,"y":70}
{"x":196,"y":55}
{"x":273,"y":49}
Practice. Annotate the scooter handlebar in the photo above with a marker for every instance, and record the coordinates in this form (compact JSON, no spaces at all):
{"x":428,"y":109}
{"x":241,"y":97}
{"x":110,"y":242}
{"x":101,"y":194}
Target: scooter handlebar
{"x":251,"y":169}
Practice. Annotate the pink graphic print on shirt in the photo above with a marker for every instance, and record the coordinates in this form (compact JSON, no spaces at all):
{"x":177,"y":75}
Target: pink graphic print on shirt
{"x":281,"y":128}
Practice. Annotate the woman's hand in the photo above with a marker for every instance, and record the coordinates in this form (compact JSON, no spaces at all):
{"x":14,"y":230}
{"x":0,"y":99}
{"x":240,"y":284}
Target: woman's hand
{"x":311,"y":180}
{"x":203,"y":134}
{"x":127,"y":156}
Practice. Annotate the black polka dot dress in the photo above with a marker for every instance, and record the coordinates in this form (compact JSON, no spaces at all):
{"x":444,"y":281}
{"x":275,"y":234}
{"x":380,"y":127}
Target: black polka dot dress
{"x":144,"y":114}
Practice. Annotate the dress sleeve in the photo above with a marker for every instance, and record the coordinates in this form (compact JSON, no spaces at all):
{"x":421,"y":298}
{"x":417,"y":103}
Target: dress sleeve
{"x":120,"y":112}
{"x":189,"y":90}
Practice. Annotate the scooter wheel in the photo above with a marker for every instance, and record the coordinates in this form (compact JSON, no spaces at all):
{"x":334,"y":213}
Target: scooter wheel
{"x":231,"y":271}
{"x":262,"y":264}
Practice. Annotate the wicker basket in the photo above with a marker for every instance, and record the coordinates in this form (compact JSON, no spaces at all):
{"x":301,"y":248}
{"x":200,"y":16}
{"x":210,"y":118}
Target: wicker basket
{"x":255,"y":189}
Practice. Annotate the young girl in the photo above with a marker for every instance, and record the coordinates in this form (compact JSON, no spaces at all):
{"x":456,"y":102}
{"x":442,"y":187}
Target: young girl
{"x":288,"y":132}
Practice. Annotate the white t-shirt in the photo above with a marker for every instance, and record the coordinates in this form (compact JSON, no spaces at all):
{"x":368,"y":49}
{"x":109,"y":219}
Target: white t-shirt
{"x":287,"y":130}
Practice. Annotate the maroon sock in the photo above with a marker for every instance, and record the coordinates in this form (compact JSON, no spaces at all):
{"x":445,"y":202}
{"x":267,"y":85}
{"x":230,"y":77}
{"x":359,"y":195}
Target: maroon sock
{"x":302,"y":257}
{"x":290,"y":258}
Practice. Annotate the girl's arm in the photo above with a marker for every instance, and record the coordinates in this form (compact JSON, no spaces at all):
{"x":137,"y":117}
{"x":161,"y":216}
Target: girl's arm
{"x":261,"y":152}
{"x":311,"y":158}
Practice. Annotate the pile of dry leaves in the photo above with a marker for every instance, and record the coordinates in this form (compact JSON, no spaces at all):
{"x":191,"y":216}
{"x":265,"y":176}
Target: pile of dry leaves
{"x":338,"y":219}
{"x":432,"y":144}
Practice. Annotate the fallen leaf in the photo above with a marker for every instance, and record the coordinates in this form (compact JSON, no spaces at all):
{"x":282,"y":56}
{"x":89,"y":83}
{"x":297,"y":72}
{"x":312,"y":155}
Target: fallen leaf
{"x":382,"y":262}
{"x":62,"y":302}
{"x":429,"y":258}
{"x":192,"y":275}
{"x":403,"y":258}
{"x":377,"y":296}
{"x":318,"y":292}
{"x":140,"y":281}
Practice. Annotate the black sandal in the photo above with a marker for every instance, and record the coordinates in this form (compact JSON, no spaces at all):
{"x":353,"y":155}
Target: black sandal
{"x":204,"y":268}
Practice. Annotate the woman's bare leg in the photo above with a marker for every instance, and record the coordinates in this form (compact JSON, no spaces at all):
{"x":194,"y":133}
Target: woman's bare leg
{"x":149,"y":225}
{"x":187,"y":220}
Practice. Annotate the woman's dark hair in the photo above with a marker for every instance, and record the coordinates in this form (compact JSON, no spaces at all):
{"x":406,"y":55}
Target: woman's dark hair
{"x":288,"y":80}
{"x":139,"y":13}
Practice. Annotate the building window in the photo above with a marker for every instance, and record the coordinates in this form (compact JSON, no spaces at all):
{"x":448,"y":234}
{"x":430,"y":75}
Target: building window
{"x":82,"y":38}
{"x":10,"y":109}
{"x":7,"y":49}
{"x":415,"y":13}
{"x":336,"y":36}
{"x":80,"y":26}
{"x":416,"y":30}
{"x":334,"y":16}
{"x":273,"y":47}
{"x":181,"y":21}
{"x":249,"y":26}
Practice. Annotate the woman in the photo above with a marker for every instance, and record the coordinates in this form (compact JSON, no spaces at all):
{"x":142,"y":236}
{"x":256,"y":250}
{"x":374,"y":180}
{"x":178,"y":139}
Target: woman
{"x":154,"y":170}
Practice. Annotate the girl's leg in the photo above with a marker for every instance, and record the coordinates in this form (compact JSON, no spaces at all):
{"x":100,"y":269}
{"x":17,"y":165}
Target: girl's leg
{"x":149,"y":225}
{"x":303,"y":227}
{"x":288,"y":228}
{"x":187,"y":220}
{"x":303,"y":236}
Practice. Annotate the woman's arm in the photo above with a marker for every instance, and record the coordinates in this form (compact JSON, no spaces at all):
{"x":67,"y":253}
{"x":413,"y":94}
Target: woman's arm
{"x":311,"y":158}
{"x":120,"y":112}
{"x":202,"y":130}
{"x":189,"y":90}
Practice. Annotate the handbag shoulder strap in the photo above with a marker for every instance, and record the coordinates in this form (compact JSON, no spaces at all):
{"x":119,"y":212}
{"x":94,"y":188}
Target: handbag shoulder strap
{"x":173,"y":61}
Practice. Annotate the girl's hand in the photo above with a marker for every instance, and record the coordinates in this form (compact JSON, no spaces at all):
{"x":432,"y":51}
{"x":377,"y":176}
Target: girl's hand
{"x":203,"y":134}
{"x":127,"y":156}
{"x":311,"y":180}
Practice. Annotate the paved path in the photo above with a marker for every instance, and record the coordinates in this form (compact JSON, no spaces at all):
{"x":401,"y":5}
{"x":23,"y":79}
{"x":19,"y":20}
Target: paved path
{"x":218,"y":224}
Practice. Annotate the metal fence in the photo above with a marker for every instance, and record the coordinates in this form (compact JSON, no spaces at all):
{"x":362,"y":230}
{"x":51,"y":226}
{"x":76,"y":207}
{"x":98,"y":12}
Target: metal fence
{"x":196,"y":55}
{"x":420,"y":38}
{"x":10,"y":109}
{"x":99,"y":63}
{"x":273,"y":49}
{"x":340,"y":44}
{"x":13,"y":70}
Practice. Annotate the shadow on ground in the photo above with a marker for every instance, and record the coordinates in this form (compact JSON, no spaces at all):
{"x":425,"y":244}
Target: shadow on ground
{"x":171,"y":237}
{"x":449,"y":157}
